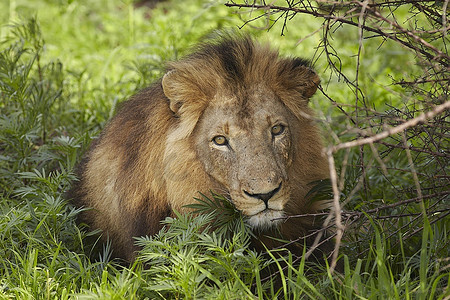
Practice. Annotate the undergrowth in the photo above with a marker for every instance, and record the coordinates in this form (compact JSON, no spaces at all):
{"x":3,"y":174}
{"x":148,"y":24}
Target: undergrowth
{"x":50,"y":110}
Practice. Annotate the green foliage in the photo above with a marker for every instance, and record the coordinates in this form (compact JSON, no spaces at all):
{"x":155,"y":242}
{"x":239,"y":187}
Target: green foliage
{"x":227,"y":218}
{"x":65,"y":65}
{"x":188,"y":261}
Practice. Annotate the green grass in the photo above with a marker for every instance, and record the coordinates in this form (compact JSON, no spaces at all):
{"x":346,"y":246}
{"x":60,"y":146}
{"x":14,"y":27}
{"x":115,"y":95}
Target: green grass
{"x":64,"y":65}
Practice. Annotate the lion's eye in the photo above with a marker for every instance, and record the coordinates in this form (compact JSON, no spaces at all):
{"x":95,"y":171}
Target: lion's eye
{"x":277,"y":129}
{"x":220,"y":140}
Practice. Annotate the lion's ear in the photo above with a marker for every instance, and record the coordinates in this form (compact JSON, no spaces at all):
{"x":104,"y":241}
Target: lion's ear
{"x":186,"y":99}
{"x":297,"y":75}
{"x":173,"y":88}
{"x":312,"y":84}
{"x":187,"y":90}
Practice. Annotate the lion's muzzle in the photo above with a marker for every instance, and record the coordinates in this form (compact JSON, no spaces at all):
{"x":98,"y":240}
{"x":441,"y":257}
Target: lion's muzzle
{"x":265,"y":197}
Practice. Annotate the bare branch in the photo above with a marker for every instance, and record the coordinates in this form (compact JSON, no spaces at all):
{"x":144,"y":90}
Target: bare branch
{"x":391,"y":131}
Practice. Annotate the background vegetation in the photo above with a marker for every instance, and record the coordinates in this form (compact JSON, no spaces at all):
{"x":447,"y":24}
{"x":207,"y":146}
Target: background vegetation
{"x":64,"y":65}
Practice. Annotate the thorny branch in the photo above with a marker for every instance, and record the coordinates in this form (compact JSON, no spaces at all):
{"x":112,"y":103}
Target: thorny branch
{"x":391,"y":131}
{"x":372,"y":12}
{"x":417,"y":133}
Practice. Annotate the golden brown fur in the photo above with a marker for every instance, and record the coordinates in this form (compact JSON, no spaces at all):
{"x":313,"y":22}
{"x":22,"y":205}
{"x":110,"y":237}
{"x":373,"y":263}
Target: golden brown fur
{"x":160,"y":150}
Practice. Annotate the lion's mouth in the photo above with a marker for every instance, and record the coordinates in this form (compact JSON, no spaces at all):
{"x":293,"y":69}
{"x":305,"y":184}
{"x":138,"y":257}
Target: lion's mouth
{"x":266,"y":218}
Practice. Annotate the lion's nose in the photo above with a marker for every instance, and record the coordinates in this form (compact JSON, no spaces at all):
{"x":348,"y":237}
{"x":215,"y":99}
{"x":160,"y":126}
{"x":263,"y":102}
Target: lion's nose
{"x":265,"y":197}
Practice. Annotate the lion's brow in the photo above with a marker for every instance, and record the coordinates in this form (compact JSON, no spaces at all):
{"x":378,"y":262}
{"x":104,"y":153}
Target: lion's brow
{"x":269,"y":120}
{"x":226,"y":128}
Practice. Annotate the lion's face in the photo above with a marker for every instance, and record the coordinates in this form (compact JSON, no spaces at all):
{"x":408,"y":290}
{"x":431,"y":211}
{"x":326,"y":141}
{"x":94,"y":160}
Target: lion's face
{"x":245,"y":146}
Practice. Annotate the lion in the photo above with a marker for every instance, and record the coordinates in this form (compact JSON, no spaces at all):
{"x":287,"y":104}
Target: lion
{"x":231,"y":117}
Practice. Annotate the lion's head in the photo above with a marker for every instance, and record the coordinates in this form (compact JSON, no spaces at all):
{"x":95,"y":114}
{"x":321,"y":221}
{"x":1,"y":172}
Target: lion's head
{"x":244,"y":112}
